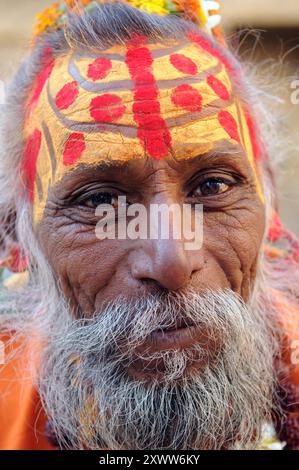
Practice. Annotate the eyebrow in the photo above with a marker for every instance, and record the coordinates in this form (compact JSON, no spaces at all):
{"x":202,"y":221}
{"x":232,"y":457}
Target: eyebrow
{"x":100,"y":166}
{"x":226,"y":148}
{"x":231,"y":152}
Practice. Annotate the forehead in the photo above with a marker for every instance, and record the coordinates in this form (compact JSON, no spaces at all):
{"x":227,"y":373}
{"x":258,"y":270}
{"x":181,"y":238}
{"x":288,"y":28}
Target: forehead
{"x":145,"y":98}
{"x":128,"y":102}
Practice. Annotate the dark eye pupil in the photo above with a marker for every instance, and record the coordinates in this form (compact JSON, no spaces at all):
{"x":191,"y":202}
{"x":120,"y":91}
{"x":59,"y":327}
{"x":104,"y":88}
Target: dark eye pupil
{"x":211,"y":187}
{"x":101,"y":198}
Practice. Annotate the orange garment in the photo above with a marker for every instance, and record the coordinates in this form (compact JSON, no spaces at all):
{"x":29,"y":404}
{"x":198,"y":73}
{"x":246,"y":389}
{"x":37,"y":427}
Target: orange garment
{"x":21,"y":414}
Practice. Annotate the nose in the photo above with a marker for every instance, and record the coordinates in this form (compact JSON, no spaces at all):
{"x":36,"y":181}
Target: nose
{"x":166,"y":263}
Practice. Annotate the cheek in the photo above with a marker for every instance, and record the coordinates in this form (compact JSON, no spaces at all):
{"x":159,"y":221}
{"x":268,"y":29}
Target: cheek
{"x":83,"y":264}
{"x":232,"y":242}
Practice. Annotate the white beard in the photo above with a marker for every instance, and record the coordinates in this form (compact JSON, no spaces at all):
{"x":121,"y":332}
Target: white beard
{"x":93,"y":402}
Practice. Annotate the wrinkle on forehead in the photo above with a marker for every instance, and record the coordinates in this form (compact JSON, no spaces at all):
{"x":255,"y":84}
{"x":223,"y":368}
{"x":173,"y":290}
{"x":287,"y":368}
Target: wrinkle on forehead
{"x":131,"y":102}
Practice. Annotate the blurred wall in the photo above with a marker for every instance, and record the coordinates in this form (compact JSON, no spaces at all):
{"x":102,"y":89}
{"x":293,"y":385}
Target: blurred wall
{"x":279,"y":24}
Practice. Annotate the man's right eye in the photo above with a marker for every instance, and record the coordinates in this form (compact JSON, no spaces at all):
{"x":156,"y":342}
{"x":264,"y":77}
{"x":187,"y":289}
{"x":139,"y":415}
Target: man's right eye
{"x":99,"y":198}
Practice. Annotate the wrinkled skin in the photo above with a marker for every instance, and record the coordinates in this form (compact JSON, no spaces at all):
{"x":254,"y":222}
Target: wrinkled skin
{"x":91,"y":271}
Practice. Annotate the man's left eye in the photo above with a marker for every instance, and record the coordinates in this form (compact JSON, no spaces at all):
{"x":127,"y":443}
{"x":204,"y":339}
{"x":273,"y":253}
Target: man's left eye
{"x":211,"y":187}
{"x":99,"y":198}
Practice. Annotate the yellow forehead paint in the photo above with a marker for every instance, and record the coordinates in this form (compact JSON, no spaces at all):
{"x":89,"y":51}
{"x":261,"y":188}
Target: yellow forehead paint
{"x":126,"y":103}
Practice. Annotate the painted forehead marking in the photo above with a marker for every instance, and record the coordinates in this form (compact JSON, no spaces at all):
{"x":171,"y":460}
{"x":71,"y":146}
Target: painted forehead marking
{"x":142,"y":89}
{"x":128,"y":101}
{"x":100,"y":68}
{"x":183,"y":95}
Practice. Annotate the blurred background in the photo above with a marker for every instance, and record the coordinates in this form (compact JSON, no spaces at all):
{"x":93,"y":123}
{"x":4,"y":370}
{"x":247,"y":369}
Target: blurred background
{"x":267,"y":33}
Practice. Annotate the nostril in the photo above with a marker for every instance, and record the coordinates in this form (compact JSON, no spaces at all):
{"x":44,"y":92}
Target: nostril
{"x":165,"y":265}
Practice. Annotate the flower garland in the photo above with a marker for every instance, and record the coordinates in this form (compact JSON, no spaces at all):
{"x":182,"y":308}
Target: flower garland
{"x":203,"y":12}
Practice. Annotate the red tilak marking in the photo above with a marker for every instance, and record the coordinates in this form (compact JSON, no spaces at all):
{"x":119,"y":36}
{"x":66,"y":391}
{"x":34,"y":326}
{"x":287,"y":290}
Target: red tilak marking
{"x":48,"y":63}
{"x":32,"y":149}
{"x":187,"y":97}
{"x":152,"y":129}
{"x":218,"y":87}
{"x":206,"y":45}
{"x":229,"y":124}
{"x":67,"y":95}
{"x":73,"y":149}
{"x":106,"y":108}
{"x":183,"y":64}
{"x":257,"y":147}
{"x":99,"y":68}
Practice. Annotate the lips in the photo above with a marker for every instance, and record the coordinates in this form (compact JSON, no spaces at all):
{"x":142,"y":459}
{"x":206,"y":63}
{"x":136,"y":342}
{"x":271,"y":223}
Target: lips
{"x":183,"y":335}
{"x":177,"y":337}
{"x":147,"y":365}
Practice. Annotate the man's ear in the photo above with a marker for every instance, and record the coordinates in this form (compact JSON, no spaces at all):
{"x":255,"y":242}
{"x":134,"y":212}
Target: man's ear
{"x":11,"y":256}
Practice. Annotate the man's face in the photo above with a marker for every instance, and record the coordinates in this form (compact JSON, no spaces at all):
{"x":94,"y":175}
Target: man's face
{"x":170,"y":143}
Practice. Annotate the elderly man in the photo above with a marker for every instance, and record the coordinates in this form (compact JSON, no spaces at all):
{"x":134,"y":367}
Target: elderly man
{"x":142,"y":342}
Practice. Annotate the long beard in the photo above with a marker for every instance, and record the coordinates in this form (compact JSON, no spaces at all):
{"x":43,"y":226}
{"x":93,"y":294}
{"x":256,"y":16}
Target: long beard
{"x":94,"y":402}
